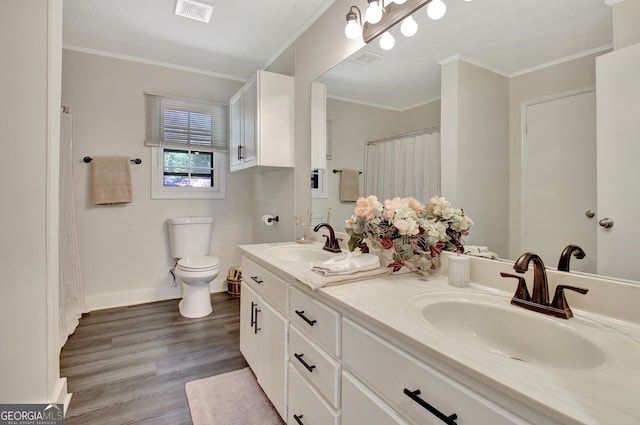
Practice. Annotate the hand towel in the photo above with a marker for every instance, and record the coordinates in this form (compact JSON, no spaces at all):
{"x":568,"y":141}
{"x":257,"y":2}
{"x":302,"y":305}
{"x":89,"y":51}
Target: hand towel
{"x":347,"y":264}
{"x":479,"y":251}
{"x":316,"y":281}
{"x":349,"y":185}
{"x":111,"y":180}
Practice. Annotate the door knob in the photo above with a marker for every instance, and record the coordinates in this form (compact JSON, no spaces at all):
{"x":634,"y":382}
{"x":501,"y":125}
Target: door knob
{"x":607,"y":223}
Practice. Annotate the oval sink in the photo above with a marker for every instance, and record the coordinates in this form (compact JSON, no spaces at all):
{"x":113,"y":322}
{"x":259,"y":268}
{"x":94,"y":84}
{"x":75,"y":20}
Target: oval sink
{"x":299,"y":253}
{"x":491,"y":323}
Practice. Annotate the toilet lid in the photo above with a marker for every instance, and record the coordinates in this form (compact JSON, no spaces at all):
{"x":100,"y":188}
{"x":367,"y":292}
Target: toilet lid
{"x":204,"y":262}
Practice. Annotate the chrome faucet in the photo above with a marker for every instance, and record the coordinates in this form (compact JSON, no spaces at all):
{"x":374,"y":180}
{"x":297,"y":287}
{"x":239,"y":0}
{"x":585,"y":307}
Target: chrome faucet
{"x":331,"y":244}
{"x":563,"y":264}
{"x":539,"y":298}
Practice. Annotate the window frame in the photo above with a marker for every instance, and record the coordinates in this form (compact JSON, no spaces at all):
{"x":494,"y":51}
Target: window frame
{"x":160,"y":191}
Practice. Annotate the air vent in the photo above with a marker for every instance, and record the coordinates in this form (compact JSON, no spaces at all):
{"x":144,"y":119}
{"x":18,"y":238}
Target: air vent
{"x":365,"y":59}
{"x":194,"y":10}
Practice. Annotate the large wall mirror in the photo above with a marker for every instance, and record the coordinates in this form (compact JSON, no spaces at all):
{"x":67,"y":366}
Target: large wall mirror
{"x":545,"y":52}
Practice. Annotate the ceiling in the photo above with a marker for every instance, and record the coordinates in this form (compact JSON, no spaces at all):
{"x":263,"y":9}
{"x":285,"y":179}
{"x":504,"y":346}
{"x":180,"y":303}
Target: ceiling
{"x":508,"y":37}
{"x":241,"y":36}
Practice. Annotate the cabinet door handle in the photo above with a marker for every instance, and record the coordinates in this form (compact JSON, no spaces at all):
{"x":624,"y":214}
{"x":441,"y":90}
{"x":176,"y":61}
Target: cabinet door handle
{"x":449,"y":420}
{"x":240,"y":152}
{"x":305,"y":318}
{"x":305,"y":364}
{"x":255,"y":325}
{"x":253,"y":318}
{"x":298,"y":419}
{"x":257,"y":279}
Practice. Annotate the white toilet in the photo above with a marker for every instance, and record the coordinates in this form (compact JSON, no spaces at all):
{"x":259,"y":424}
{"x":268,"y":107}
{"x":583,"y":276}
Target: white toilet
{"x":189,"y":240}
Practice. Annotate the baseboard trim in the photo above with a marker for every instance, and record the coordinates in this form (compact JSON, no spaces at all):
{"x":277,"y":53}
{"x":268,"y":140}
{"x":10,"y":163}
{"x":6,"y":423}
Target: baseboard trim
{"x":141,"y":296}
{"x":60,"y":394}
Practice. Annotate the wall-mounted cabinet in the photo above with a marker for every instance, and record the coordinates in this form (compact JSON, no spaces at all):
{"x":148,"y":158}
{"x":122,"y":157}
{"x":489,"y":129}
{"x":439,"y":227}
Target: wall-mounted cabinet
{"x":261,"y":122}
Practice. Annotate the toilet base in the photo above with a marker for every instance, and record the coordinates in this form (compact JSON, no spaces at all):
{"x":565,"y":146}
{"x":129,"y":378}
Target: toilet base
{"x":196,"y":301}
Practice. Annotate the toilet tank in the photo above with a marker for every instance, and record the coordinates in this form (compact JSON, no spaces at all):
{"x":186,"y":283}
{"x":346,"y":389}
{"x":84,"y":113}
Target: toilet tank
{"x":189,"y":236}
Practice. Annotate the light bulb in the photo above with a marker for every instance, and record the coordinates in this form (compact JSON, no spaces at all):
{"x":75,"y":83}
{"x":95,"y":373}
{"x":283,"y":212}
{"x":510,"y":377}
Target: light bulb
{"x":409,"y":26}
{"x":399,"y":1}
{"x":436,"y":9}
{"x":352,"y":30}
{"x":374,"y":12}
{"x":387,"y":41}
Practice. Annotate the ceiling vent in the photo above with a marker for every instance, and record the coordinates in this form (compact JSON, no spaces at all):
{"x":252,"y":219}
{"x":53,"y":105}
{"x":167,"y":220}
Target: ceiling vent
{"x":366,"y":58}
{"x":194,"y":10}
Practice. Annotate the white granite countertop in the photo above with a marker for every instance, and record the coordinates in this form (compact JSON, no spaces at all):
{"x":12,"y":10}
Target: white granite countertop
{"x":605,"y":391}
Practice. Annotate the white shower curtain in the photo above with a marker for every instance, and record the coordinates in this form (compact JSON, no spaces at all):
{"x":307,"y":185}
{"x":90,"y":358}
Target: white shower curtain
{"x":404,"y":166}
{"x":71,"y":292}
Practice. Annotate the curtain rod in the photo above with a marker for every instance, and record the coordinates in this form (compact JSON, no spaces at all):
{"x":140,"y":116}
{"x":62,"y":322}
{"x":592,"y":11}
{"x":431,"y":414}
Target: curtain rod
{"x":411,"y":133}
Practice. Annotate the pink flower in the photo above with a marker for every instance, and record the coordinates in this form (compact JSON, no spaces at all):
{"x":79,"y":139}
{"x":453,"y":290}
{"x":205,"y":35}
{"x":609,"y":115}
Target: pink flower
{"x":366,"y":207}
{"x":392,"y":205}
{"x":415,"y":205}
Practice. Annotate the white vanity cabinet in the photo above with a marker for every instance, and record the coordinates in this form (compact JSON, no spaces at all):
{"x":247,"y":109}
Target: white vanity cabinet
{"x":261,"y":122}
{"x":315,"y":369}
{"x":409,"y":386}
{"x":264,"y":329}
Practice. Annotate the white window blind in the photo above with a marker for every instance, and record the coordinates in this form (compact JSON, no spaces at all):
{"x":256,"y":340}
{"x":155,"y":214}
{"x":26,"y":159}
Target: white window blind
{"x":185,"y":124}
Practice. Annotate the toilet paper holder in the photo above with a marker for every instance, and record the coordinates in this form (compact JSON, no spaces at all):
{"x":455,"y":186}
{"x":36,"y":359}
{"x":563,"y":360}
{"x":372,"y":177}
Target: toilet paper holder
{"x":269,"y":219}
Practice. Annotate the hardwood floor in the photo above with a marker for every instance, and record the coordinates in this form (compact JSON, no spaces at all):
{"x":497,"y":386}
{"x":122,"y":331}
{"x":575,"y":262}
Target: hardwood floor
{"x":129,"y":365}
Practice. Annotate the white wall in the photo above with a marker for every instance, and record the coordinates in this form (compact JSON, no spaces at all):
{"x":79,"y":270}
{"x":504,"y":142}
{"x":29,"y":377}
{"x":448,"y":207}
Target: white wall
{"x":30,"y":39}
{"x":124,"y":249}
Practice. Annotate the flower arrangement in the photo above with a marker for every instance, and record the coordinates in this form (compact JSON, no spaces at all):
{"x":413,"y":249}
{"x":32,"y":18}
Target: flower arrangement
{"x":412,"y":234}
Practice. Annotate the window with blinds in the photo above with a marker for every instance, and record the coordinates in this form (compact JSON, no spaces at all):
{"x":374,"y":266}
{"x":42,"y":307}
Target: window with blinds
{"x":188,"y":140}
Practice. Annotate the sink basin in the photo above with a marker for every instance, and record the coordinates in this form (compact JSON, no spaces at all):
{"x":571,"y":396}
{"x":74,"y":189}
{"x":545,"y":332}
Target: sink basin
{"x":299,"y":253}
{"x":489,"y":322}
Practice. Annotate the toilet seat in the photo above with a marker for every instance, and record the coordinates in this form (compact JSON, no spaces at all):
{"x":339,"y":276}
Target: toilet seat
{"x":198,"y":263}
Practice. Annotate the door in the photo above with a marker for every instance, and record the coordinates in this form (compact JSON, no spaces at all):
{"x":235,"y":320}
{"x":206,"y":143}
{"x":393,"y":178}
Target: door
{"x":618,"y":85}
{"x":235,"y":132}
{"x":249,"y":338}
{"x":250,"y":124}
{"x":559,"y":178}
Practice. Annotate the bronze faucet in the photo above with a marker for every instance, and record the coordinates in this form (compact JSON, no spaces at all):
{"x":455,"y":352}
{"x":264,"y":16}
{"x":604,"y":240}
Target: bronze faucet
{"x":539,"y":298}
{"x":540,"y":294}
{"x":331,"y":244}
{"x":563,"y":264}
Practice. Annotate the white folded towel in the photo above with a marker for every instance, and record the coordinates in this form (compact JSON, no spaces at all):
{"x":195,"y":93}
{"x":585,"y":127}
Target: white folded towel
{"x":346,"y":264}
{"x":316,"y":281}
{"x":479,"y":251}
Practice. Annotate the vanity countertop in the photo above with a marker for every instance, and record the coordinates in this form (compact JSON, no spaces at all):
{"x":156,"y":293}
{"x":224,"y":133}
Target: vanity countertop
{"x":608,"y":392}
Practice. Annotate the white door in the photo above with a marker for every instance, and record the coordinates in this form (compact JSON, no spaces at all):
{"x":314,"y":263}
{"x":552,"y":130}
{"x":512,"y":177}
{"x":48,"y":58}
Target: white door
{"x":618,"y":86}
{"x":559,"y":178}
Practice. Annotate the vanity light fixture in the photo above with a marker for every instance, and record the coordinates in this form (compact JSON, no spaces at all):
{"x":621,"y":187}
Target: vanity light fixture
{"x":353,"y":28}
{"x":382,"y":15}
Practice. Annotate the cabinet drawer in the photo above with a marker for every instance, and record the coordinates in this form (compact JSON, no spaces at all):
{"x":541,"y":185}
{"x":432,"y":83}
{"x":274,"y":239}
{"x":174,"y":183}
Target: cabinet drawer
{"x":269,"y":286}
{"x":306,"y":404}
{"x":315,"y":319}
{"x":315,"y":365}
{"x":361,"y":406}
{"x":388,"y":372}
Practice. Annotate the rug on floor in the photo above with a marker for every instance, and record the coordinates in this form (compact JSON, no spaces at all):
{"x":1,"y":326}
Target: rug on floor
{"x":232,"y":398}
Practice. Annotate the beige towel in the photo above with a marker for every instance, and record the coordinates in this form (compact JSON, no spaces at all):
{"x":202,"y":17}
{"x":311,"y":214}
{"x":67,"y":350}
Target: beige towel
{"x":111,"y":180}
{"x":316,"y":281}
{"x":349,"y":185}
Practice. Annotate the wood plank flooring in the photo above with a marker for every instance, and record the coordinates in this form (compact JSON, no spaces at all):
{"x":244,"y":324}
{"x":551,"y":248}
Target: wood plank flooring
{"x":129,"y":365}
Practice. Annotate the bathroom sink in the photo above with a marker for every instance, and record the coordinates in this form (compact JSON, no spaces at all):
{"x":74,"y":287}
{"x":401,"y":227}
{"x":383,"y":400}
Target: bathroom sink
{"x":490,"y":323}
{"x":299,"y":253}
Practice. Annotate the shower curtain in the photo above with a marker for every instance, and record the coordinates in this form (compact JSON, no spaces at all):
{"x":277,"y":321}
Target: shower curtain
{"x":71,"y":294}
{"x":405,"y":166}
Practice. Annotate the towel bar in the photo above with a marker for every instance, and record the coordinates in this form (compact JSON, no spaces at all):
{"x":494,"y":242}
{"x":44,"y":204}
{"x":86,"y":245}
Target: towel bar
{"x":88,"y":159}
{"x":339,"y":171}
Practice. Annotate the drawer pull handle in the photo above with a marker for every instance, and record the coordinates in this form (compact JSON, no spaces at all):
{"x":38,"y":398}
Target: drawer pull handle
{"x":257,"y":279}
{"x":255,"y":325}
{"x":305,"y":318}
{"x":305,"y":364}
{"x":298,"y":419}
{"x":253,"y":317}
{"x":449,"y":420}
